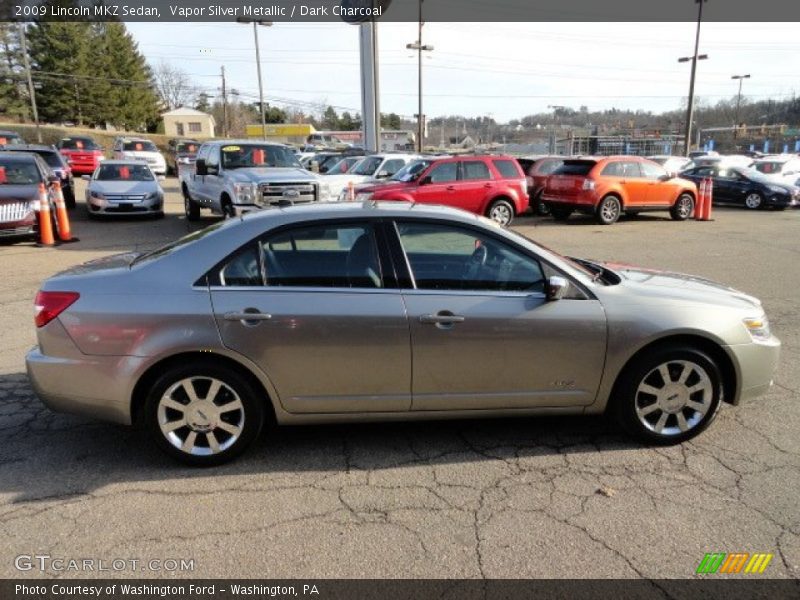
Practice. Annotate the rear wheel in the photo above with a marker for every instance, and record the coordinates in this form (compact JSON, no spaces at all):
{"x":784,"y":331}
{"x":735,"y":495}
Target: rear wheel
{"x":560,"y":213}
{"x":190,"y":208}
{"x":683,"y":207}
{"x":203,"y":414}
{"x":668,"y":395}
{"x":608,"y":210}
{"x":501,"y":211}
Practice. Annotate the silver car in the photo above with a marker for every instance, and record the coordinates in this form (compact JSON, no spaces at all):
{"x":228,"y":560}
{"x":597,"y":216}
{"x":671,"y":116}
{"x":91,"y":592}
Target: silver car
{"x":124,"y":187}
{"x":341,"y":312}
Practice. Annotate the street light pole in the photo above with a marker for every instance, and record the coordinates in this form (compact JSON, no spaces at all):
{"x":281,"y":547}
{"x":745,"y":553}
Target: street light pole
{"x":27,"y":65}
{"x":694,"y":59}
{"x":256,"y":23}
{"x":738,"y":103}
{"x":419,"y":47}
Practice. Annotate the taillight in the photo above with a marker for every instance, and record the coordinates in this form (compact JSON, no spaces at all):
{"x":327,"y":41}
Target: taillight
{"x":48,"y":305}
{"x":588,"y":184}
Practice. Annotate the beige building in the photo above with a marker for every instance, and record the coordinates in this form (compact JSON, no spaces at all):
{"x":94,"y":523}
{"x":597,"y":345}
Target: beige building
{"x":189,"y":123}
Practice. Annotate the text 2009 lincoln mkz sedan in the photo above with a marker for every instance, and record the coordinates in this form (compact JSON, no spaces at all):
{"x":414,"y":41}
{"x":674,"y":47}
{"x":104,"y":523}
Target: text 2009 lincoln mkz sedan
{"x":385,"y":311}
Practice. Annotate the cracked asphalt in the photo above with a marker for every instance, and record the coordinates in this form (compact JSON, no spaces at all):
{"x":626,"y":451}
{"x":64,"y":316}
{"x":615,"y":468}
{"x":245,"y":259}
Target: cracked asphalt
{"x":514,"y":498}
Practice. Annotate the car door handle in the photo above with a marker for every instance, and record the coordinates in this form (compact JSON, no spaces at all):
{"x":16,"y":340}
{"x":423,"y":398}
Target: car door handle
{"x":450,"y":188}
{"x":488,"y":185}
{"x":247,"y":315}
{"x":442,"y":318}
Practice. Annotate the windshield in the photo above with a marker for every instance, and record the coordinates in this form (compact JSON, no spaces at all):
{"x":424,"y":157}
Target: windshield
{"x":411,"y":171}
{"x":186,"y":148}
{"x":367,"y":166}
{"x":257,"y":155}
{"x":131,"y":172}
{"x":17,"y":172}
{"x":78,"y":144}
{"x":140,"y":146}
{"x":575,"y":263}
{"x":769,"y":168}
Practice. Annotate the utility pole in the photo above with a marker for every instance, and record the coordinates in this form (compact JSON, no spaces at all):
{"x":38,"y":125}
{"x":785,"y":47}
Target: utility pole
{"x":224,"y":104}
{"x":738,"y":103}
{"x":419,"y":47}
{"x":256,"y":23}
{"x":31,"y":91}
{"x":694,"y":59}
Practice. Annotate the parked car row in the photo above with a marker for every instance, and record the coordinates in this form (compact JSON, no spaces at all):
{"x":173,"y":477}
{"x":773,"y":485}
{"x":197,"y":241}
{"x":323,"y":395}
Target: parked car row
{"x":23,"y":176}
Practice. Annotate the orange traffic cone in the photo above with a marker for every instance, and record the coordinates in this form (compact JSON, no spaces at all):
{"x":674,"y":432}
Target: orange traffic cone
{"x":709,"y":197}
{"x":64,"y":233}
{"x":701,"y":198}
{"x":45,"y":224}
{"x":351,"y":191}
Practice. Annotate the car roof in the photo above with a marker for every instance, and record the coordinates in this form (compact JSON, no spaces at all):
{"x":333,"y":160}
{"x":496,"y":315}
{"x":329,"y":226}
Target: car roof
{"x":243,"y":142}
{"x":125,"y":161}
{"x":29,"y":148}
{"x":20,"y":156}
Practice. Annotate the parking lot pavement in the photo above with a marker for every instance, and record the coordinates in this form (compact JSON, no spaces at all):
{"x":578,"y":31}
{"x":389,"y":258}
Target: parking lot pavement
{"x":559,"y":497}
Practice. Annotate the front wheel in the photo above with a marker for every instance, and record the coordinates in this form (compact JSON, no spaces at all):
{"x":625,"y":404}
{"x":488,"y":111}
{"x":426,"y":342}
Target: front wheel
{"x":501,"y":211}
{"x":683,"y":207}
{"x":190,"y":208}
{"x":754,"y":201}
{"x":668,"y":395}
{"x":560,"y":213}
{"x":203,"y":414}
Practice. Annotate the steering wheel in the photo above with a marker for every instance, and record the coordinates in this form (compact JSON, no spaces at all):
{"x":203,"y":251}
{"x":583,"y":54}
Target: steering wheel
{"x":476,"y":262}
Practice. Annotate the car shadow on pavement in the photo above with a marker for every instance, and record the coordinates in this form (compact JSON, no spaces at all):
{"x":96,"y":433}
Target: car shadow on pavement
{"x":50,"y":455}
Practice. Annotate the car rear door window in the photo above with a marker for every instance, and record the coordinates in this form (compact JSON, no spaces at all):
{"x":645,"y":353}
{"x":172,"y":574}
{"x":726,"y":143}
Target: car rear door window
{"x":652,"y":170}
{"x":547,"y":167}
{"x":613,"y":169}
{"x":444,"y":172}
{"x":507,"y":168}
{"x":475,"y":170}
{"x":330,"y":255}
{"x":447,"y":257}
{"x":631,"y":169}
{"x":575,"y":167}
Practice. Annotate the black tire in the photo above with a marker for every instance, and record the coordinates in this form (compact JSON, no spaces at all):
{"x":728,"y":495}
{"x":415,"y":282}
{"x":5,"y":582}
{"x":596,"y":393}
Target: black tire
{"x":683,"y":208}
{"x":608,"y":211}
{"x":628,"y":399}
{"x":228,"y":211}
{"x":501,"y":211}
{"x":560,"y":213}
{"x":190,"y":208}
{"x":248,"y":419}
{"x":540,"y":208}
{"x":69,"y":198}
{"x":754,"y":201}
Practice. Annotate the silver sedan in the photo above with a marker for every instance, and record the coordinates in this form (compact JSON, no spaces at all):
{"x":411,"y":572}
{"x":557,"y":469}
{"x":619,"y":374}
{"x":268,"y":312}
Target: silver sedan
{"x":342,"y":312}
{"x":124,"y":187}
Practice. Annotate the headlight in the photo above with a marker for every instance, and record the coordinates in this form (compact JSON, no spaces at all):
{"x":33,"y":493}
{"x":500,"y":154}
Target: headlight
{"x":97,"y":195}
{"x":776,"y":190}
{"x":152,"y":196}
{"x":324,"y":192}
{"x":364,"y":196}
{"x":758,"y":327}
{"x":245,"y":193}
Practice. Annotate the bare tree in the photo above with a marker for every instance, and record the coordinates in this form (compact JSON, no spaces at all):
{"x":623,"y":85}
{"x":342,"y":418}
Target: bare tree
{"x":174,"y":85}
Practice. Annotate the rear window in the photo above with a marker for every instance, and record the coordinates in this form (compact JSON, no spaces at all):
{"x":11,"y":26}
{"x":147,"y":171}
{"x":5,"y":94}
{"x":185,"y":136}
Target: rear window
{"x":53,"y":159}
{"x":508,"y":169}
{"x":575,"y":167}
{"x":186,"y":148}
{"x":140,"y":146}
{"x":18,"y":172}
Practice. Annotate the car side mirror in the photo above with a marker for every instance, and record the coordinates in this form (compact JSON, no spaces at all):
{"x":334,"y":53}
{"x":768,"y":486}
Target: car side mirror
{"x":425,"y":180}
{"x":314,"y":167}
{"x":200,"y":166}
{"x":86,"y":177}
{"x":556,"y":288}
{"x":381,"y":174}
{"x":53,"y":179}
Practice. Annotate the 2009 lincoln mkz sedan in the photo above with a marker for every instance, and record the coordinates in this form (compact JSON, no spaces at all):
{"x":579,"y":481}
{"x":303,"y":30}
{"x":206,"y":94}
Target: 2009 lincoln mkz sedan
{"x":334,"y":312}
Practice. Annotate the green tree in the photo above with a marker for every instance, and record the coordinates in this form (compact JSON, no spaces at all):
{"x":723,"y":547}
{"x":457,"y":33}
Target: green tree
{"x":330,"y":119}
{"x":13,"y":94}
{"x":202,"y":102}
{"x":391,"y":121}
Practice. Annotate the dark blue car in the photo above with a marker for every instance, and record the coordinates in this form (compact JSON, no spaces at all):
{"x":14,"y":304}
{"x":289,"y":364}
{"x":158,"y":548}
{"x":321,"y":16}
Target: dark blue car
{"x":744,"y":187}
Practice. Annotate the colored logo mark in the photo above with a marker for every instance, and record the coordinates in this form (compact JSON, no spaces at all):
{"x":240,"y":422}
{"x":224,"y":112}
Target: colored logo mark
{"x":736,"y":562}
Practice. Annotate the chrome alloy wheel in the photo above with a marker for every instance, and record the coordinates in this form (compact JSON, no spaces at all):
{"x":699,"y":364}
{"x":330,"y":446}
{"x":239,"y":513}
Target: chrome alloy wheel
{"x":201,"y":416}
{"x":674,"y":397}
{"x":685,"y":206}
{"x":500,"y":213}
{"x":609,"y":210}
{"x":753,"y":201}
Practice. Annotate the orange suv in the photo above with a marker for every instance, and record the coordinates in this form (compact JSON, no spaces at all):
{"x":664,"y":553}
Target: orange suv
{"x":608,"y":186}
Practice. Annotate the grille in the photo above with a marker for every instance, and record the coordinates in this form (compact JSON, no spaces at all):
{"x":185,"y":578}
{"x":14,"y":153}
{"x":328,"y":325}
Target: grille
{"x":122,"y":198}
{"x":273,"y":194}
{"x":14,"y":211}
{"x":126,"y":208}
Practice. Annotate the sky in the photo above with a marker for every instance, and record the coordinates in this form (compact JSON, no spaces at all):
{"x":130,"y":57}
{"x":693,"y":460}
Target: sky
{"x":502,"y":70}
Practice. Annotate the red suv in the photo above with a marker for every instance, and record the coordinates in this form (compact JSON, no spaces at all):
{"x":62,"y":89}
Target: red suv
{"x":83,"y":154}
{"x":608,"y":186}
{"x":494,"y":186}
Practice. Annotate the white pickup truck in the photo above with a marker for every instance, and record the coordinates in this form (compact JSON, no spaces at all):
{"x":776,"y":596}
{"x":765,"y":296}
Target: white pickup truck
{"x":231,"y":177}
